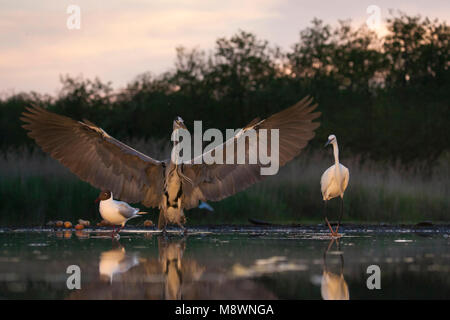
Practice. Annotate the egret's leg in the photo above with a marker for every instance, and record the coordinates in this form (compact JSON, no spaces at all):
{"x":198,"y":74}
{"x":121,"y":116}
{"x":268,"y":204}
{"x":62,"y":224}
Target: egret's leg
{"x":342,"y":213}
{"x":326,"y":252}
{"x":326,"y":219}
{"x":330,"y":244}
{"x":113,"y":232}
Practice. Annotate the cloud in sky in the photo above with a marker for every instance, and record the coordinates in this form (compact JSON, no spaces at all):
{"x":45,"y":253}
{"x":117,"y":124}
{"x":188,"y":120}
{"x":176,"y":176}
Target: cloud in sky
{"x":121,"y":39}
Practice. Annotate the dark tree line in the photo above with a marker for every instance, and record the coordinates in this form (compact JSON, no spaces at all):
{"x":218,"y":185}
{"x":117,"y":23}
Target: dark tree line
{"x":386,"y":98}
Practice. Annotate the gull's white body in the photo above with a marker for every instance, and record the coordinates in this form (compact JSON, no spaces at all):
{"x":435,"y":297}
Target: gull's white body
{"x":334,"y":180}
{"x":117,"y":212}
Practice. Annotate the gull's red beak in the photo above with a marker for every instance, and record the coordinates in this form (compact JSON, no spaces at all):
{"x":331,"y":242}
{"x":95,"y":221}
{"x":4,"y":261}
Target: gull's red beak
{"x":97,"y":200}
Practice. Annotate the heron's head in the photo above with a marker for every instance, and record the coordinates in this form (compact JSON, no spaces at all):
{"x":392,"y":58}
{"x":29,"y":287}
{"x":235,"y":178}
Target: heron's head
{"x":178,"y":123}
{"x":331,"y":139}
{"x":104,"y":195}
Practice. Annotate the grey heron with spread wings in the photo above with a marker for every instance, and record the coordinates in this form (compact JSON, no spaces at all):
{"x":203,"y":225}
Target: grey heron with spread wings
{"x":108,"y":164}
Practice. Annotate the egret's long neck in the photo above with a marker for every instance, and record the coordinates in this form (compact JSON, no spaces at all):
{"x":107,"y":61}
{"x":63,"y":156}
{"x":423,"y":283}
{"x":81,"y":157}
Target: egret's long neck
{"x":337,"y":166}
{"x":336,"y":153}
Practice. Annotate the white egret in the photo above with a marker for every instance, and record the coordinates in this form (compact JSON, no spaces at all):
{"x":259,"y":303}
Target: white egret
{"x":334,"y":181}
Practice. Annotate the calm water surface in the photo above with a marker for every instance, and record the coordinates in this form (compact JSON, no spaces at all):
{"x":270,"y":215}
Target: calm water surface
{"x":239,"y":263}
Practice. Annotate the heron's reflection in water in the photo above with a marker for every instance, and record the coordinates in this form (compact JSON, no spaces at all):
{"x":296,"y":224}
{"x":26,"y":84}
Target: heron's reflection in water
{"x":333,"y":285}
{"x":170,"y":257}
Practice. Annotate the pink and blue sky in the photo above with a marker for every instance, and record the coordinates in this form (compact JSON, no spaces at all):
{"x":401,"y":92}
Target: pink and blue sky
{"x":120,"y":39}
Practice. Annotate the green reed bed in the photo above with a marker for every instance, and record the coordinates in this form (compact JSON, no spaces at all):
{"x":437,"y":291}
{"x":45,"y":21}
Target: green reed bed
{"x":35,"y":189}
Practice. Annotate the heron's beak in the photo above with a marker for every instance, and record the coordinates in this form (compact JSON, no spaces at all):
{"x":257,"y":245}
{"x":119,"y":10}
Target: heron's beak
{"x":328,"y":142}
{"x":97,"y":200}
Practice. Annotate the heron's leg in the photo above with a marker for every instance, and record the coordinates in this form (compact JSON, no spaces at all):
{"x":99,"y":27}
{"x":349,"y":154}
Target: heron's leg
{"x":182,"y":227}
{"x":326,"y":219}
{"x":340,"y":216}
{"x":161,"y":220}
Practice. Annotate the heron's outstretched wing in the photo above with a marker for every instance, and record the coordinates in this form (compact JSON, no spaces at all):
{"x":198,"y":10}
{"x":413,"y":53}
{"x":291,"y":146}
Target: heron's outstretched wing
{"x":217,"y":181}
{"x":96,"y":157}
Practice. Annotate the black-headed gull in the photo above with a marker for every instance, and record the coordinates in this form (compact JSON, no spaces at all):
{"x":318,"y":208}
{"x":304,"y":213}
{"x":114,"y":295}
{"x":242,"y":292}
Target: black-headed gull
{"x":116,"y":212}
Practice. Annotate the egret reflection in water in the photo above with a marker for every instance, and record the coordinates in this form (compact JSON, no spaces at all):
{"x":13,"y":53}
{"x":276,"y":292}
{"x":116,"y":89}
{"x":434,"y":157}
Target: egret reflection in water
{"x":333,"y":285}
